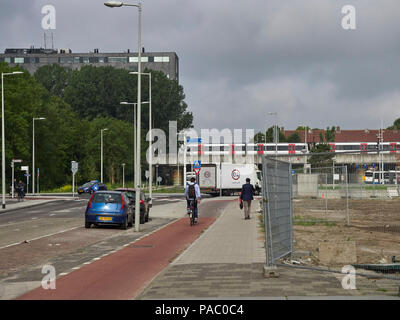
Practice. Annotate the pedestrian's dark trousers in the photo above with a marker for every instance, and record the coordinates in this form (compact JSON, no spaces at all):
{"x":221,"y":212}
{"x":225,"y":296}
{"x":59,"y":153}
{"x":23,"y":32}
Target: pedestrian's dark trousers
{"x":194,"y":206}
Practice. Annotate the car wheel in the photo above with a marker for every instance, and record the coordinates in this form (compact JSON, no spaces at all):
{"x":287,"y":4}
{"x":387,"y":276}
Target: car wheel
{"x":124,"y":225}
{"x":87,"y":225}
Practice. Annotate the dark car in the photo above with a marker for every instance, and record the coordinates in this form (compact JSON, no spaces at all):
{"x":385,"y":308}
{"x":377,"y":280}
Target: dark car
{"x":91,"y":187}
{"x":144,"y":203}
{"x":109,"y":208}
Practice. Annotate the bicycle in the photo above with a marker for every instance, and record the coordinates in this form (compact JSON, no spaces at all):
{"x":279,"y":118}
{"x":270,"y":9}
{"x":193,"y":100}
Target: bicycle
{"x":191,"y":212}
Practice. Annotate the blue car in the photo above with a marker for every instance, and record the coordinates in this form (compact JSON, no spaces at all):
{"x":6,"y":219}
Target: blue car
{"x":91,"y":187}
{"x":109,"y":208}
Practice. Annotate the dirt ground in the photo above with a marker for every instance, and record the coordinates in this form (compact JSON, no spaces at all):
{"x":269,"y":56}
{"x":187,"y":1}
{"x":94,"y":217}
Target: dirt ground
{"x":374,"y":227}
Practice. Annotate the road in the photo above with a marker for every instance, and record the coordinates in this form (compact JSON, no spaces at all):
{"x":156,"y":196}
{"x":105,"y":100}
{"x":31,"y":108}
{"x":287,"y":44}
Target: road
{"x":54,"y":233}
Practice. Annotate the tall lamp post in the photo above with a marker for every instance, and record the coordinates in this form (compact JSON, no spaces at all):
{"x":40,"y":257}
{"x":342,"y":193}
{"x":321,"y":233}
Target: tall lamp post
{"x":123,"y":175}
{"x":150,"y":138}
{"x":276,"y":135}
{"x":114,"y":4}
{"x":33,"y":153}
{"x":134,"y":129}
{"x":3,"y":155}
{"x":101,"y":154}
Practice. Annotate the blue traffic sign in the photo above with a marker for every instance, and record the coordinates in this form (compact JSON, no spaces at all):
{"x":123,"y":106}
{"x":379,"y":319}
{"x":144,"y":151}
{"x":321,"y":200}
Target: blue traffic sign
{"x":373,"y":165}
{"x":96,"y":187}
{"x":197,"y":140}
{"x":197,"y":164}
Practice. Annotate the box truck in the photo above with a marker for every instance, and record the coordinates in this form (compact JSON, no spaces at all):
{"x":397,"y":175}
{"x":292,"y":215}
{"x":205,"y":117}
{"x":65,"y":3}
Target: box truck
{"x":228,"y":177}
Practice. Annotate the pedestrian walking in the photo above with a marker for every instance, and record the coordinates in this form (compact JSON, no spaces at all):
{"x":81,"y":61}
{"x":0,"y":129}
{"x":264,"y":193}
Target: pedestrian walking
{"x":247,"y":196}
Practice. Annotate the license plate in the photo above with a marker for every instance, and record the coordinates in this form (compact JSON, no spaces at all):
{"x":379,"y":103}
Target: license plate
{"x":105,"y":218}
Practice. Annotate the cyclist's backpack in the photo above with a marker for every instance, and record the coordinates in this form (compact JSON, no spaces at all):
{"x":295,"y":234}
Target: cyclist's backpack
{"x":192,"y":192}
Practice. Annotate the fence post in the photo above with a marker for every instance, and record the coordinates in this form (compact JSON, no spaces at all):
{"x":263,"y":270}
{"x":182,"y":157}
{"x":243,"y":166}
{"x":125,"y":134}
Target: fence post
{"x":347,"y":197}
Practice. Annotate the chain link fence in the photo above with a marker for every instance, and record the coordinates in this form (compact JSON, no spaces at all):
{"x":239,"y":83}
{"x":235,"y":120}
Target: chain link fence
{"x":277,"y":211}
{"x":338,"y":219}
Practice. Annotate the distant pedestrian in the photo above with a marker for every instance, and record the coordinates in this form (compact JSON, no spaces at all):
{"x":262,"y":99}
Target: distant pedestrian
{"x":247,"y":195}
{"x":21,"y":190}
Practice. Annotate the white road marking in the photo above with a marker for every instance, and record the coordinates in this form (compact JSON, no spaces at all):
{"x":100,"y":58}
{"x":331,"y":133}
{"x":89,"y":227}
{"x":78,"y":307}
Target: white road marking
{"x":47,"y":235}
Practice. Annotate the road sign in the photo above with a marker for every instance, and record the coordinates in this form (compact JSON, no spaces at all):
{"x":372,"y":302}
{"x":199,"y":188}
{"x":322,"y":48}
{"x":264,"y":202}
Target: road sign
{"x":37,"y":172}
{"x":96,"y":187}
{"x":147,"y":174}
{"x":27,"y":175}
{"x":16,"y":160}
{"x":196,"y":171}
{"x":74,"y":166}
{"x":197,"y":164}
{"x":25,"y":168}
{"x":159,"y":179}
{"x":197,"y":140}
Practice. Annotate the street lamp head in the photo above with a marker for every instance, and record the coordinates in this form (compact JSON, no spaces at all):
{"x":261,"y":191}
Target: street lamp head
{"x":39,"y":118}
{"x":113,"y":4}
{"x":17,"y":72}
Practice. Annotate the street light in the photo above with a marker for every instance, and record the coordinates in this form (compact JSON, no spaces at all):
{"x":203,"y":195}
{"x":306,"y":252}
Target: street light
{"x":114,"y":4}
{"x":150,"y":138}
{"x":101,"y":134}
{"x":123,"y":175}
{"x":33,"y":153}
{"x":276,"y":136}
{"x":134,"y":129}
{"x":3,"y":147}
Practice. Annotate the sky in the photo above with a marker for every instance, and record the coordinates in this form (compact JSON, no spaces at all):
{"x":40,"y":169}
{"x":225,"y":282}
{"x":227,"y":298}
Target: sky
{"x":240,"y":60}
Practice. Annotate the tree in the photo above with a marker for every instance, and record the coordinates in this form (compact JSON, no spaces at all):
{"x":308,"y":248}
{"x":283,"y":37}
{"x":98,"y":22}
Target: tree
{"x":396,"y":125}
{"x":320,"y":160}
{"x":294,"y":138}
{"x":54,"y":78}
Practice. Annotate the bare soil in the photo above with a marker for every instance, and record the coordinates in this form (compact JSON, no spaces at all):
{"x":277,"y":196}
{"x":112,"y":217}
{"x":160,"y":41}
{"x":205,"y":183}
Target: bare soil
{"x":374,"y":225}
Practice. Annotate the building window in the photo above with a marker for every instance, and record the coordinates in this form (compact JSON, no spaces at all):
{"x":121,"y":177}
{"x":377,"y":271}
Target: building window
{"x":66,"y":60}
{"x":7,"y":59}
{"x":151,"y":59}
{"x":117,"y":59}
{"x":136,"y":59}
{"x":161,"y":59}
{"x":101,"y":60}
{"x":77,"y":60}
{"x":18,"y":60}
{"x":85,"y":59}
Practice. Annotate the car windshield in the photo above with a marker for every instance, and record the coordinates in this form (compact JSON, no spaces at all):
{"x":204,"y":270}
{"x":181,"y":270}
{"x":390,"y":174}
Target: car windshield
{"x":87,"y":184}
{"x":107,"y":198}
{"x":131,"y":194}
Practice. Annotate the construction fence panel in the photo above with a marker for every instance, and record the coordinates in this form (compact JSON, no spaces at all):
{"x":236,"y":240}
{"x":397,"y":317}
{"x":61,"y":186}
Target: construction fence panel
{"x":277,"y":209}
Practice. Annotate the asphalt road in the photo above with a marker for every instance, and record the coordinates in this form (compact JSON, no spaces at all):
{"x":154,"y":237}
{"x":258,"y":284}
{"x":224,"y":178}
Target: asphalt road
{"x":54,"y":233}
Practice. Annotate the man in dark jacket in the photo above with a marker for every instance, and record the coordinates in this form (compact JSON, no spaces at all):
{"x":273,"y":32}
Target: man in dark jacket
{"x":246,"y":196}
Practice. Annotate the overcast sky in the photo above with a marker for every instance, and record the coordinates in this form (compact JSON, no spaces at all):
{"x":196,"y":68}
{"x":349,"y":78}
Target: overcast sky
{"x":240,"y":60}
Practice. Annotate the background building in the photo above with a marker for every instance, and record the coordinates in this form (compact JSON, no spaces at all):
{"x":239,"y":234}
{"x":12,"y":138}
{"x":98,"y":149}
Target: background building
{"x":33,"y":58}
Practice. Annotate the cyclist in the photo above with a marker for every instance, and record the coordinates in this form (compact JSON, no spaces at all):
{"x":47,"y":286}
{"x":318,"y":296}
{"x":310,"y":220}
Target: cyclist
{"x":192,"y":193}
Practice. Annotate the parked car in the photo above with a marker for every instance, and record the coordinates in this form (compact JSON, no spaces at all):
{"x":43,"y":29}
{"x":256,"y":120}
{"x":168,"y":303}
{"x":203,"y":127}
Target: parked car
{"x":144,"y":203}
{"x":109,"y":208}
{"x":91,"y":187}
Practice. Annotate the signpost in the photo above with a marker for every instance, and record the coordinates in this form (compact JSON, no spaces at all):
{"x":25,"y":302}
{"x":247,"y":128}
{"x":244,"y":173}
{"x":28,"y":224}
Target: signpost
{"x":12,"y":175}
{"x":197,"y":168}
{"x":27,"y":175}
{"x":74,"y":169}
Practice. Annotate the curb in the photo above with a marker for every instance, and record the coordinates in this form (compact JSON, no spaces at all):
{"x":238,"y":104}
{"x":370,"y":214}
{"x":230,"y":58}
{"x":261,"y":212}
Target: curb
{"x":28,"y":206}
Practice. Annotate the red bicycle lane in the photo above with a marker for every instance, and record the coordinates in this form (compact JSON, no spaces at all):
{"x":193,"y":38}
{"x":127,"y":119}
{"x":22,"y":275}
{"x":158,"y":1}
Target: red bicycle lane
{"x":124,"y":274}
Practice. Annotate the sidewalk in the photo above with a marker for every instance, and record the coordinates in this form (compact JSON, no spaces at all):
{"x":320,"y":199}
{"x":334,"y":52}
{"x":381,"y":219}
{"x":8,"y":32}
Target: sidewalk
{"x":227,"y":262}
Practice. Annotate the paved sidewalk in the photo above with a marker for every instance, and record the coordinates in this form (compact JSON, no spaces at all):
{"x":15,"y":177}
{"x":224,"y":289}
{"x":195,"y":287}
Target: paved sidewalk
{"x":227,"y":262}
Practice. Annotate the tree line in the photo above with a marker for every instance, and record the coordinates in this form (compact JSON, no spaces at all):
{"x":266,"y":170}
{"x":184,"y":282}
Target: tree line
{"x":77,"y":104}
